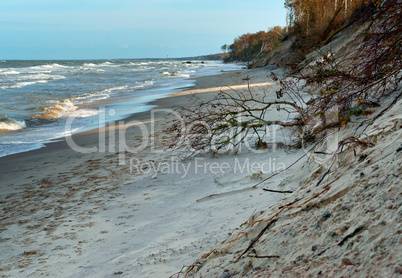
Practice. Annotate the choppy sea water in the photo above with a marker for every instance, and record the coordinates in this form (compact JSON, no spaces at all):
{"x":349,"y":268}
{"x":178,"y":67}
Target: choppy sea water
{"x":37,"y":97}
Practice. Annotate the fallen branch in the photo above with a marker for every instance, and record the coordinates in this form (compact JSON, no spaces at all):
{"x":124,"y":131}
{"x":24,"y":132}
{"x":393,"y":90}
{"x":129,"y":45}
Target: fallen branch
{"x":277,"y":191}
{"x":355,"y":232}
{"x":257,"y":238}
{"x":291,"y":165}
{"x":322,"y":252}
{"x":262,"y":257}
{"x":286,"y":207}
{"x":177,"y":274}
{"x":382,"y":112}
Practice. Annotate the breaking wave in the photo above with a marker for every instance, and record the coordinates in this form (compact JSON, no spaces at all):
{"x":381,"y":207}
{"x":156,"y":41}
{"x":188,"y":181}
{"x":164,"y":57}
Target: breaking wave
{"x":63,"y":109}
{"x":11,"y":124}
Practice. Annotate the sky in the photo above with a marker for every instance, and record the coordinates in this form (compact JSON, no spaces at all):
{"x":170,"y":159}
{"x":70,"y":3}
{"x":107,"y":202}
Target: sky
{"x":112,"y":29}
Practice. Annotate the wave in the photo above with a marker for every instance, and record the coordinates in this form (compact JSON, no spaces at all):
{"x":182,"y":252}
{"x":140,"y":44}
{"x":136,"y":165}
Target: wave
{"x":26,"y":80}
{"x":100,"y":65}
{"x":92,"y":69}
{"x":99,"y":95}
{"x":10,"y":72}
{"x":142,"y":84}
{"x":115,"y":88}
{"x":47,"y":68}
{"x":53,"y":66}
{"x":11,"y":124}
{"x":175,"y":74}
{"x":63,"y":109}
{"x":93,"y":96}
{"x":22,"y":84}
{"x":45,"y":76}
{"x":85,"y":113}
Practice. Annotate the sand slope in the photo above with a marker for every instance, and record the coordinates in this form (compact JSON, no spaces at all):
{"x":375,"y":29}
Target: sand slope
{"x":350,"y":228}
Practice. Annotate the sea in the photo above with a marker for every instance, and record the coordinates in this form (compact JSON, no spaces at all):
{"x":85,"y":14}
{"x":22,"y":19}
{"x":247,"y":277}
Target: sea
{"x":37,"y":97}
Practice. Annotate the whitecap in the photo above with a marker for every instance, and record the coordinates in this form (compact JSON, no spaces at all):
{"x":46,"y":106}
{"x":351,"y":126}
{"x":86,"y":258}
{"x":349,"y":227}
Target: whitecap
{"x":84,"y":113}
{"x":89,"y":65}
{"x":54,"y":65}
{"x":11,"y":124}
{"x":92,"y":69}
{"x":10,"y":72}
{"x":62,"y":108}
{"x":143,"y":84}
{"x":23,"y":84}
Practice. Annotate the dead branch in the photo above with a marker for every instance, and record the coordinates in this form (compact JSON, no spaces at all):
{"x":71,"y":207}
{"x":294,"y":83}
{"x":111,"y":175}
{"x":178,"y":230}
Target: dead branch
{"x":257,"y":238}
{"x":232,"y":118}
{"x":262,"y":257}
{"x":277,"y":191}
{"x":355,"y":232}
{"x":291,"y":165}
{"x":285,"y":207}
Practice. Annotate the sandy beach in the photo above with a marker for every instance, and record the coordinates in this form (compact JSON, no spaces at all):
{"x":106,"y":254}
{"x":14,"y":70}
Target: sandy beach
{"x":143,"y":214}
{"x":280,"y":156}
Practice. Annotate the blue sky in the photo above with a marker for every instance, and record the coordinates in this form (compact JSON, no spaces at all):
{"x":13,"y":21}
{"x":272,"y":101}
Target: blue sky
{"x":109,"y":29}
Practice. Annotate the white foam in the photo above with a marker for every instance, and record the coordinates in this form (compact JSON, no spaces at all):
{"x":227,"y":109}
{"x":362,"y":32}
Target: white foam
{"x":115,"y":88}
{"x":42,"y":76}
{"x":54,"y":66}
{"x":90,"y":97}
{"x":100,"y":65}
{"x":143,"y":84}
{"x":84,"y":113}
{"x":23,"y":84}
{"x":10,"y":72}
{"x":62,"y":108}
{"x":11,"y":124}
{"x":25,"y":80}
{"x":92,"y":69}
{"x":175,"y":74}
{"x":89,"y":65}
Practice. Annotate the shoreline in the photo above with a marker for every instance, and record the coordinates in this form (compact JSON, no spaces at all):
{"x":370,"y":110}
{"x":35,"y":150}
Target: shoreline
{"x":89,"y":105}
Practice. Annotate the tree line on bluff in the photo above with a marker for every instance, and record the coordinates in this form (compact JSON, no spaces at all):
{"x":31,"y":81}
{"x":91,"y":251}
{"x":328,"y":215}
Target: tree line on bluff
{"x":311,"y":22}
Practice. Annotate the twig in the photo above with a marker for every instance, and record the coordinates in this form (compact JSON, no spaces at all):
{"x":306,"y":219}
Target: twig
{"x":297,"y":160}
{"x":277,"y":191}
{"x":355,"y":232}
{"x":262,"y":257}
{"x":177,"y":274}
{"x":382,"y":111}
{"x":291,"y":203}
{"x":329,"y":167}
{"x":286,"y":207}
{"x":322,"y":252}
{"x":257,"y":238}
